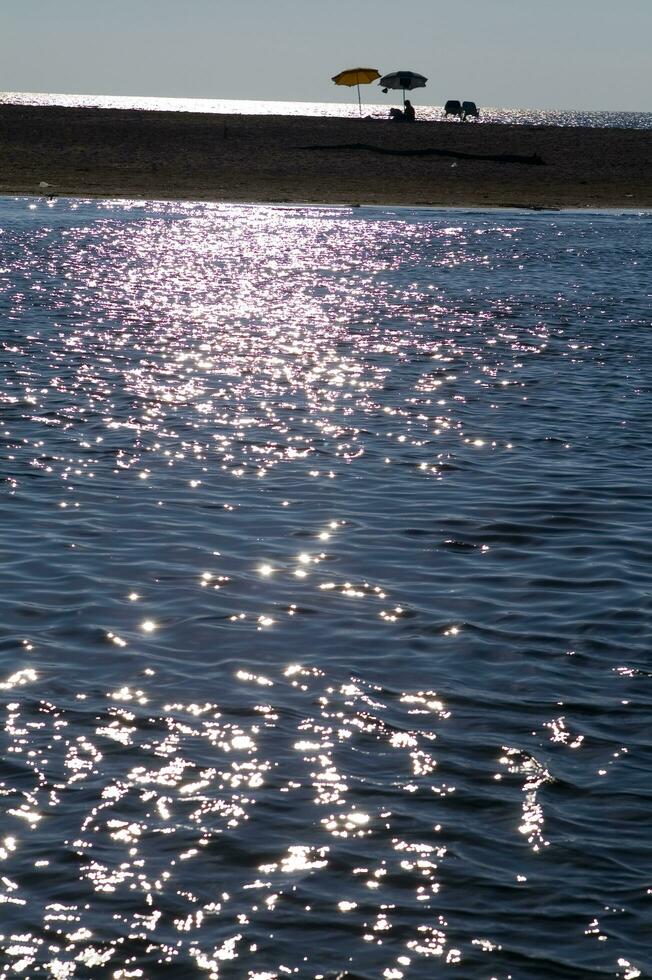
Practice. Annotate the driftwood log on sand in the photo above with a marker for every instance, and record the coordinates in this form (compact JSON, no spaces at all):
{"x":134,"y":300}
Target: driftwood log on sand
{"x":534,"y":158}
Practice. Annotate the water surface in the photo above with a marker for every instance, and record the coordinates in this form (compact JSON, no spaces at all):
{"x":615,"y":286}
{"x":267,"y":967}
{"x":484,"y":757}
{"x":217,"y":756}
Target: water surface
{"x":347,"y":107}
{"x":325,"y":592}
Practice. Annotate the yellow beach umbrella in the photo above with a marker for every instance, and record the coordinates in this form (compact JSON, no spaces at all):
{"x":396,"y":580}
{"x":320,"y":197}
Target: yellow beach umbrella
{"x":357,"y":76}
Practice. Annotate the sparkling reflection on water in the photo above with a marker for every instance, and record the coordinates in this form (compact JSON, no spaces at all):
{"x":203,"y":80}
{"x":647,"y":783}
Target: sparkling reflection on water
{"x":325,"y":592}
{"x":346,"y":108}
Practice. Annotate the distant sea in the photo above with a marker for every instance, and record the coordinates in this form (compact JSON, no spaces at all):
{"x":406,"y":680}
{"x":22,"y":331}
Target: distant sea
{"x":527,"y":117}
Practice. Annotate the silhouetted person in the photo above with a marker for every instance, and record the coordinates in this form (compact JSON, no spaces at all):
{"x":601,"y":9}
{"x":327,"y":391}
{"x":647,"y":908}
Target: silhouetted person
{"x":406,"y":114}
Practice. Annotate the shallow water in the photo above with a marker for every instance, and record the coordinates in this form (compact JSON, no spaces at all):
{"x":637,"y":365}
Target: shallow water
{"x":325,"y":592}
{"x":346,"y":107}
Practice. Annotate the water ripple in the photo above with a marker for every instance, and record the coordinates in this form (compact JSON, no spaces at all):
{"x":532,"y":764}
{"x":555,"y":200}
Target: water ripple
{"x":325,"y":592}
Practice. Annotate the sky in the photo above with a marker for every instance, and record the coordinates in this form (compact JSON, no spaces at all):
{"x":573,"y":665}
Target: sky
{"x":567,"y":54}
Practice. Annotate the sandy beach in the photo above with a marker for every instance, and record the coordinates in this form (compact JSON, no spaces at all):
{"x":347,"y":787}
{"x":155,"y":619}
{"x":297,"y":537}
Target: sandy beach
{"x":283,"y":159}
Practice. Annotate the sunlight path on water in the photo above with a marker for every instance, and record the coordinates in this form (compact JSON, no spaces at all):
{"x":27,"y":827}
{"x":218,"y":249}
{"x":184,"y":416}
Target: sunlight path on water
{"x":325,"y":592}
{"x":346,"y":108}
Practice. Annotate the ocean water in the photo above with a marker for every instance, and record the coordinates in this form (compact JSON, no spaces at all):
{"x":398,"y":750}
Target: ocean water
{"x":325,"y":593}
{"x":346,"y":107}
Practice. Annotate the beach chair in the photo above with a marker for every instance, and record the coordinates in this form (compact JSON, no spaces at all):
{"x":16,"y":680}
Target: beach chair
{"x":469,"y":109}
{"x":453,"y":108}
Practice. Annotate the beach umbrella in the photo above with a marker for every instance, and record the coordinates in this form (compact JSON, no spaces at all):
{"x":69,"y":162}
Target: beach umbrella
{"x":357,"y":76}
{"x":405,"y":80}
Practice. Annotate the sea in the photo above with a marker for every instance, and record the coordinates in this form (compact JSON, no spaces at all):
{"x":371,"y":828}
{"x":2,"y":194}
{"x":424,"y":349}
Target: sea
{"x":346,"y":107}
{"x":325,"y":592}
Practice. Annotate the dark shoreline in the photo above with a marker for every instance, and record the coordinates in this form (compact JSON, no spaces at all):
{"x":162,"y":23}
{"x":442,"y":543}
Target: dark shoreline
{"x":142,"y":154}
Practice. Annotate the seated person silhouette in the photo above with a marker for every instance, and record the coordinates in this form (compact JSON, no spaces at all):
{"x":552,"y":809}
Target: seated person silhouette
{"x":407,"y":114}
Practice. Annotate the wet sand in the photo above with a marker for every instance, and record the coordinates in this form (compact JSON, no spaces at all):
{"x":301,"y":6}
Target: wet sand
{"x":289,"y":159}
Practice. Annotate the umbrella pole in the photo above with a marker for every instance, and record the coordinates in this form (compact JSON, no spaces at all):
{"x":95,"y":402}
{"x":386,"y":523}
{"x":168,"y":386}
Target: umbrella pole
{"x":359,"y":102}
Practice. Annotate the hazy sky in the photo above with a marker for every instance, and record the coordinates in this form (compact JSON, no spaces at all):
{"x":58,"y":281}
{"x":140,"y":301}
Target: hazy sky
{"x":592,"y":54}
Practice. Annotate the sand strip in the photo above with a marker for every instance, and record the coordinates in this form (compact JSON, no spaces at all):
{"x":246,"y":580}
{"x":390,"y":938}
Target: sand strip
{"x":197,"y":156}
